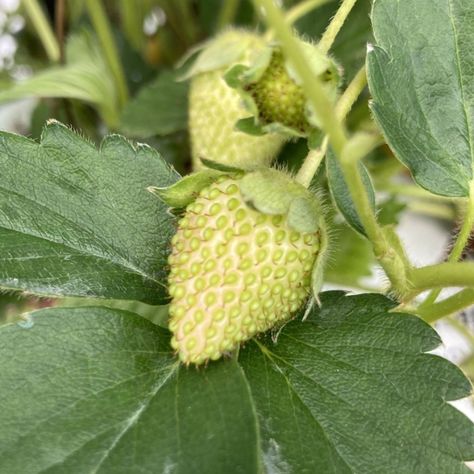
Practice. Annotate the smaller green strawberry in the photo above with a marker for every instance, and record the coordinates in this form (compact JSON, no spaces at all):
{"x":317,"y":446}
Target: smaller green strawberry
{"x":272,"y":92}
{"x":214,"y":107}
{"x":236,"y":271}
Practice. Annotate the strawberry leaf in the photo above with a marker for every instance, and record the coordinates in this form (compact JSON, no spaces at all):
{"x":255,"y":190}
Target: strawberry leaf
{"x":160,"y":108}
{"x":422,"y":82}
{"x":79,"y":221}
{"x":340,"y":192}
{"x":350,"y":390}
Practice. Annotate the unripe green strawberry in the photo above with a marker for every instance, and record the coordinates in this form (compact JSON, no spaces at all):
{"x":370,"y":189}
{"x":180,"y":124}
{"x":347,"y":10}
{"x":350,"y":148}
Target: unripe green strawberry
{"x":214,"y":107}
{"x":272,"y":91}
{"x":234,"y":271}
{"x":278,"y":97}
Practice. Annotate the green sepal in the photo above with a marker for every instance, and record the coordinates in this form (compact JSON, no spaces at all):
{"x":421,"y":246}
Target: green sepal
{"x":277,"y":127}
{"x":220,"y":52}
{"x":249,"y":126}
{"x":223,"y":168}
{"x":272,"y":192}
{"x":233,"y":77}
{"x":186,"y":190}
{"x":303,"y":214}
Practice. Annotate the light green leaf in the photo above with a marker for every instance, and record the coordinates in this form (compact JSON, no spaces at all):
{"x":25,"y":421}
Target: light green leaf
{"x":79,"y":221}
{"x":422,"y":82}
{"x":341,"y":194}
{"x":160,"y":108}
{"x":347,"y":391}
{"x":85,"y":77}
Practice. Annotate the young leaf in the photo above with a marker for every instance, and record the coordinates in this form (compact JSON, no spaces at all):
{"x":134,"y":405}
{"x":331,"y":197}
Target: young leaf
{"x":347,"y":391}
{"x":421,"y":79}
{"x":340,"y":192}
{"x":160,"y":108}
{"x":79,"y":221}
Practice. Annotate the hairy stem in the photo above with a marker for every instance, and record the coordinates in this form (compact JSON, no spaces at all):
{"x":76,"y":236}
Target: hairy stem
{"x":461,"y":241}
{"x":301,"y":9}
{"x":43,"y":28}
{"x":334,"y":27}
{"x":392,"y":263}
{"x":352,"y":93}
{"x":442,"y":275}
{"x":313,"y":160}
{"x":451,"y":305}
{"x":411,"y":190}
{"x":311,"y":164}
{"x":104,"y":33}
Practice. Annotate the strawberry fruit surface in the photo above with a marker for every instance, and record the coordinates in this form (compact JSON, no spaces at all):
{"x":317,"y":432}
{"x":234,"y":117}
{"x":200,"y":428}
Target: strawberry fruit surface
{"x":235,"y":272}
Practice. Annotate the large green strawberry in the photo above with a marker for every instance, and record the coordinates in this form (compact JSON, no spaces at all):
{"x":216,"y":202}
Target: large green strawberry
{"x":215,"y":108}
{"x":242,"y":261}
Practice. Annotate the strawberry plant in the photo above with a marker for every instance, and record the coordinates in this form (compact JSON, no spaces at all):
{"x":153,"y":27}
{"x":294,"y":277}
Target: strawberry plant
{"x":187,"y":238}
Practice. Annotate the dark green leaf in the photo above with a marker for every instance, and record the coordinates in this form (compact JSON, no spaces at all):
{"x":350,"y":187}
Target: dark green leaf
{"x":340,"y":192}
{"x":347,"y":391}
{"x":422,"y":82}
{"x":159,"y":108}
{"x":78,"y":221}
{"x":350,"y":391}
{"x":97,"y":390}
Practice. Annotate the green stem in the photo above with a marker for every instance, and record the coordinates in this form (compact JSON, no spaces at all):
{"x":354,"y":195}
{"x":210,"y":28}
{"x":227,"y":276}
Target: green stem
{"x":311,"y":164}
{"x":392,"y":263}
{"x":311,"y":85}
{"x":451,"y":305}
{"x":437,"y":210}
{"x":43,"y":28}
{"x":313,"y":160}
{"x":301,"y":9}
{"x":461,"y":241}
{"x":334,"y":27}
{"x":411,"y":190}
{"x":351,"y":94}
{"x":442,"y":275}
{"x":227,"y":13}
{"x":104,"y":32}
